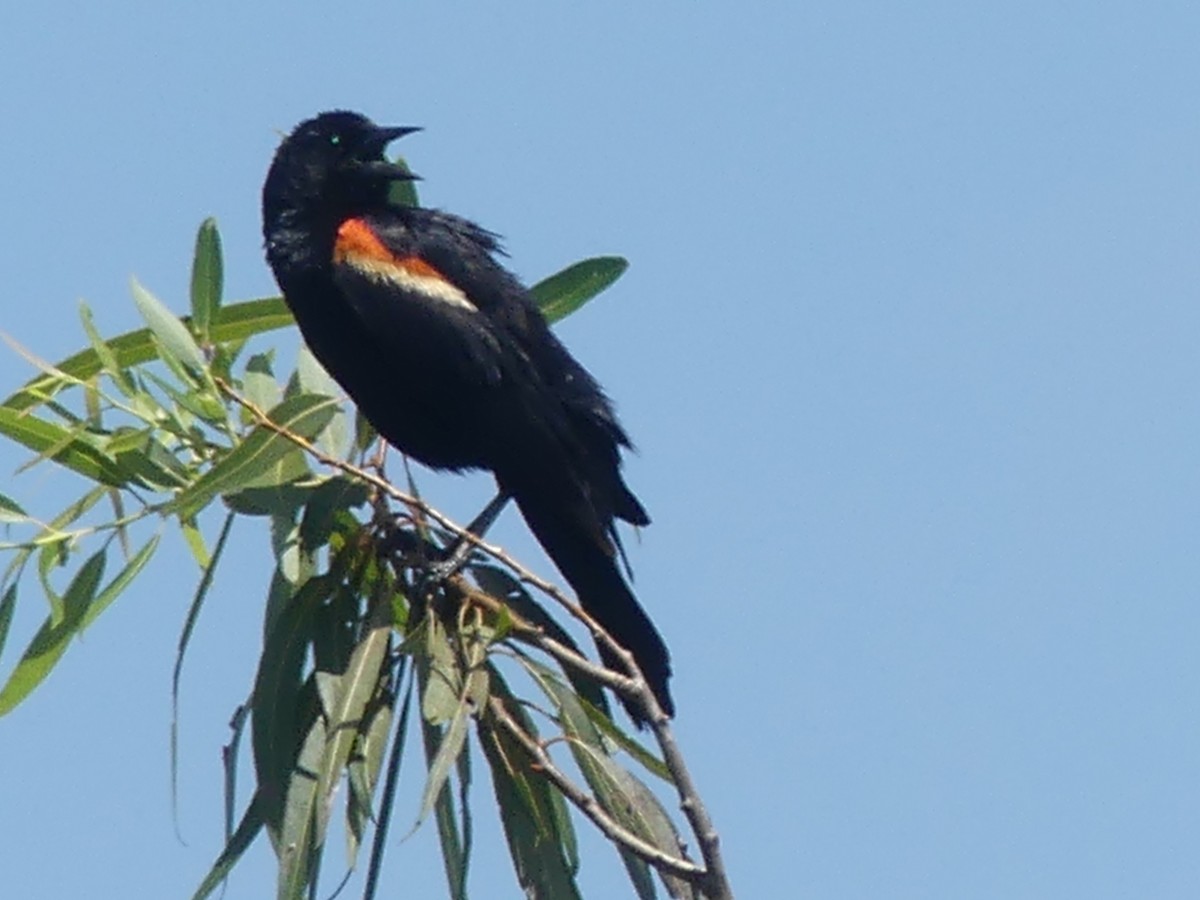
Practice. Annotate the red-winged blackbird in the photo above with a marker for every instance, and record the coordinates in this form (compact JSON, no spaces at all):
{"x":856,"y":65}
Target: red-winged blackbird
{"x":449,"y":358}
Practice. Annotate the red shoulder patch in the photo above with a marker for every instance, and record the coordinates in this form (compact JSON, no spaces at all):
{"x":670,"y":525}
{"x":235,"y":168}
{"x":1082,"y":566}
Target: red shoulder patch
{"x":360,"y":248}
{"x":357,"y":242}
{"x":355,"y":238}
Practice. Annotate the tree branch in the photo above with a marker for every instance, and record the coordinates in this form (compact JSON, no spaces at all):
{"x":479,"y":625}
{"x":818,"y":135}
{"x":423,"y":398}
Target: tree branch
{"x":588,"y":805}
{"x":713,"y":878}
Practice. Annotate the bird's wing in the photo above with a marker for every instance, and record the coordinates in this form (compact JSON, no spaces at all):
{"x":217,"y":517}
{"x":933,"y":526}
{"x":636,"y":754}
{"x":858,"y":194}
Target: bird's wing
{"x":409,"y":307}
{"x":423,"y":272}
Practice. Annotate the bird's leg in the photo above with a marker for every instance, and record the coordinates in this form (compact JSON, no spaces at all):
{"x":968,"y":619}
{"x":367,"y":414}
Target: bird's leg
{"x":458,"y":552}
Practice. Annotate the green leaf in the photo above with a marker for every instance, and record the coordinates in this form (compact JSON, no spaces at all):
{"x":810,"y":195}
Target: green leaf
{"x":209,"y":565}
{"x":450,"y":743}
{"x":258,"y":383}
{"x":403,"y":193}
{"x":364,"y":432}
{"x":229,"y":762}
{"x":608,"y":728}
{"x":281,"y":717}
{"x":304,"y":415}
{"x":362,"y":770}
{"x":276,"y":500}
{"x":67,"y":448}
{"x":238,"y":843}
{"x":453,"y":857}
{"x":500,"y":584}
{"x":50,"y":533}
{"x":331,"y":497}
{"x":622,"y":795}
{"x":541,"y":839}
{"x":55,"y":552}
{"x":50,"y":642}
{"x":122,"y":580}
{"x":356,"y":686}
{"x":564,"y":292}
{"x":208,"y":278}
{"x":298,"y":852}
{"x":388,"y":800}
{"x":108,"y":359}
{"x":443,"y":681}
{"x":10,"y":510}
{"x":7,"y":606}
{"x":313,"y":379}
{"x":168,"y":328}
{"x":140,"y":454}
{"x":232,"y":323}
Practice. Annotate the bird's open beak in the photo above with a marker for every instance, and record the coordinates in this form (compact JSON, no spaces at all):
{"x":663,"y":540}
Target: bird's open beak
{"x":382,"y":167}
{"x":386,"y":135}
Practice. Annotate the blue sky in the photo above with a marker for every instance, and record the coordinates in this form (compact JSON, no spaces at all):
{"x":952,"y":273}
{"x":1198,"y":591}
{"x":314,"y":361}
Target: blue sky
{"x":908,"y":346}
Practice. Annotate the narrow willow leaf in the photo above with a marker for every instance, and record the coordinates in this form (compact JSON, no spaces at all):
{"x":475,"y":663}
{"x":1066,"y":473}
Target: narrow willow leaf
{"x":387,"y":802}
{"x":622,"y":795}
{"x":564,"y":292}
{"x":304,"y":415}
{"x":147,"y":470}
{"x":10,"y":510}
{"x":50,"y":642}
{"x":276,"y":500}
{"x":208,"y":278}
{"x":65,"y":447}
{"x":630,"y":745}
{"x":258,"y":383}
{"x":291,"y":467}
{"x":313,"y":379}
{"x":451,"y":742}
{"x":7,"y":606}
{"x":194,"y":538}
{"x":331,"y":497}
{"x":108,"y":359}
{"x":540,"y":842}
{"x":363,"y":768}
{"x":654,"y":819}
{"x":209,"y":567}
{"x":443,"y":679}
{"x":357,"y":685}
{"x":501,"y":585}
{"x":54,"y":553}
{"x":364,"y":433}
{"x":121,"y":581}
{"x":277,"y":702}
{"x":233,"y":323}
{"x":229,"y":761}
{"x":201,"y":399}
{"x":403,"y":193}
{"x":633,"y":805}
{"x":238,"y":843}
{"x":453,"y":860}
{"x":298,"y":851}
{"x":466,"y":824}
{"x":172,"y":333}
{"x":73,"y":512}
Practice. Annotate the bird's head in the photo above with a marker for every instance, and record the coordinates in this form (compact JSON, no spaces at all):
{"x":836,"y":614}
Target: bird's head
{"x":334,"y":163}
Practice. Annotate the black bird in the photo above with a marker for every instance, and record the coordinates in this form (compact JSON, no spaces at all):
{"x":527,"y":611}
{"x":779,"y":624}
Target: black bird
{"x":447,"y":355}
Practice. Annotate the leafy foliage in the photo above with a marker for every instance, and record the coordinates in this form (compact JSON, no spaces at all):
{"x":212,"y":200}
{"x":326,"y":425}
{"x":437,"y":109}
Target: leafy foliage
{"x":173,"y":420}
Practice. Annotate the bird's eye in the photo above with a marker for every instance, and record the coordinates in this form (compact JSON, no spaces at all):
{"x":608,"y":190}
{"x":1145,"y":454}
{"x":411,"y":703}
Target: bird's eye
{"x":335,"y":139}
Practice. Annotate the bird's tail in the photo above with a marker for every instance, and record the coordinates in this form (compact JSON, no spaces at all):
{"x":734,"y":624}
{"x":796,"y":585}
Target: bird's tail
{"x":587,"y":559}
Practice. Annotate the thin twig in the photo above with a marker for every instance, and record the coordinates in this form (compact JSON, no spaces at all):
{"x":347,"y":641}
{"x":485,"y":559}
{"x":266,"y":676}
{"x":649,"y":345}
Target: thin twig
{"x":537,"y":636}
{"x":588,"y":805}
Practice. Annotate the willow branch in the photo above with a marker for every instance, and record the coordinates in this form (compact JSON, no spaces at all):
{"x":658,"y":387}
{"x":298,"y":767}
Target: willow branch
{"x":588,"y":805}
{"x":713,"y":878}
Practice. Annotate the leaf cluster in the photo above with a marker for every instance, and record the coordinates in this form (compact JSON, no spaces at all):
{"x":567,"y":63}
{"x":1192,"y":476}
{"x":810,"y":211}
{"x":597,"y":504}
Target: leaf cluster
{"x":179,"y":425}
